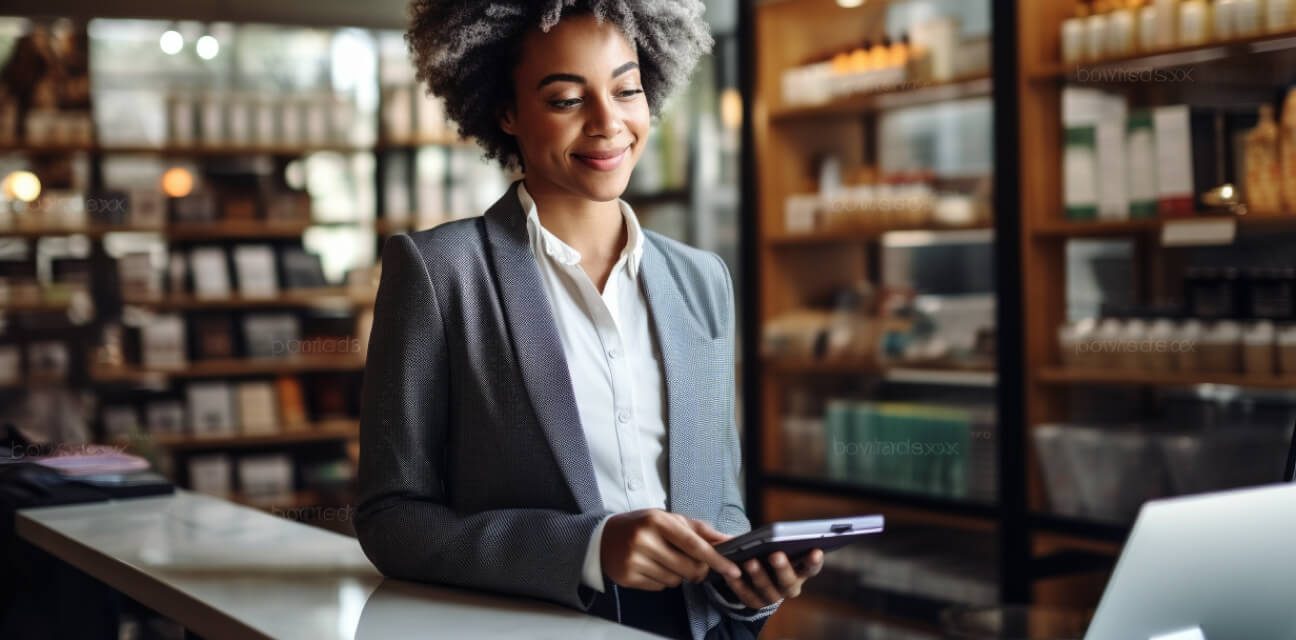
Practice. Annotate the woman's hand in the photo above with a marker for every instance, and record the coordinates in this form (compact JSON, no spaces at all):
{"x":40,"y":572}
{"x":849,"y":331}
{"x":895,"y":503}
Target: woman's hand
{"x":652,"y":549}
{"x":759,"y":589}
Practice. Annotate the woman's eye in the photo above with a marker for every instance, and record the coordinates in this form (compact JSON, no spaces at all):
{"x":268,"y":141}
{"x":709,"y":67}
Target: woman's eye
{"x":565,"y":104}
{"x":628,"y":93}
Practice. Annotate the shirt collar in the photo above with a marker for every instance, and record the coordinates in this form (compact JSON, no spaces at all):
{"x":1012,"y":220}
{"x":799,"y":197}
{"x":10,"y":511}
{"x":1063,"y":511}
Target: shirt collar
{"x":544,"y":240}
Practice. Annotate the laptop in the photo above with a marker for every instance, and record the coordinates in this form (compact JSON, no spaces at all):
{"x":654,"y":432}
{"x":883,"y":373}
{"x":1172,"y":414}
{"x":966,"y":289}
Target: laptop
{"x":1216,"y":566}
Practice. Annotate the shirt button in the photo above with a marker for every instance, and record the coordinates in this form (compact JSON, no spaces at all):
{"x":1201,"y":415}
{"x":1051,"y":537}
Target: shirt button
{"x":623,"y":415}
{"x":633,"y":484}
{"x":613,"y":353}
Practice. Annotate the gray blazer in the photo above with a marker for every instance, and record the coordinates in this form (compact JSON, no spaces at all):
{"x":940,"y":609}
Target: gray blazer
{"x":474,"y":469}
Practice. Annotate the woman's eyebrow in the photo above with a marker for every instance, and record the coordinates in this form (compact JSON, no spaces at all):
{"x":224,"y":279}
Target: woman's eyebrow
{"x":571,"y":77}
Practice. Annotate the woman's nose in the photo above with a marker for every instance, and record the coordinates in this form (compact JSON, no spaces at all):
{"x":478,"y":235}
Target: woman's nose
{"x":603,"y":119}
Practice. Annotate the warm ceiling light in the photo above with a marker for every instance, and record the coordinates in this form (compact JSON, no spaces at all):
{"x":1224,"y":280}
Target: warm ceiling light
{"x":171,"y":42}
{"x":22,"y":185}
{"x":850,"y":4}
{"x":177,"y":182}
{"x":207,"y":46}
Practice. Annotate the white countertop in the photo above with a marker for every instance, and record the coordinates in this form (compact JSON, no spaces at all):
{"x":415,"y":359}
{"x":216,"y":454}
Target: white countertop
{"x":224,"y":570}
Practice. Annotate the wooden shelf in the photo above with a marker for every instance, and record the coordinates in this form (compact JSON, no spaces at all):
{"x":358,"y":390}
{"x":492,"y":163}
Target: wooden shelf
{"x":236,"y":230}
{"x":331,"y":430}
{"x":1109,"y":377}
{"x":962,"y":377}
{"x":802,"y":366}
{"x":968,"y":377}
{"x":35,"y":306}
{"x":909,"y":94}
{"x":862,"y":234}
{"x":95,"y":231}
{"x":187,"y":151}
{"x":1107,"y":228}
{"x":195,"y":231}
{"x":845,"y":489}
{"x":1171,"y":57}
{"x":313,"y":297}
{"x":232,"y":367}
{"x":448,"y":140}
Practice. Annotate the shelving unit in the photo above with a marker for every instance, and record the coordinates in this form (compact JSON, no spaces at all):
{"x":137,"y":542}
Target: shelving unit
{"x":309,"y":297}
{"x":125,"y":384}
{"x":1238,"y":72}
{"x":229,"y":367}
{"x":326,"y":431}
{"x":793,"y":269}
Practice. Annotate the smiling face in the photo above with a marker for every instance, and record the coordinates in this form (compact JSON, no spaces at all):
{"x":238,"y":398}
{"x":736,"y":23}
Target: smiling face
{"x":580,"y":115}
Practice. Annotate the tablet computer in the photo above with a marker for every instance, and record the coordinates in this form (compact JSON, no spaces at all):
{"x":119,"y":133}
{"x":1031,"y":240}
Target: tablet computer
{"x":800,"y":537}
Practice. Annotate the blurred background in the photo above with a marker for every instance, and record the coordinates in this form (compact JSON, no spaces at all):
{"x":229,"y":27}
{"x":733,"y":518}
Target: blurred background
{"x":1007,"y":268}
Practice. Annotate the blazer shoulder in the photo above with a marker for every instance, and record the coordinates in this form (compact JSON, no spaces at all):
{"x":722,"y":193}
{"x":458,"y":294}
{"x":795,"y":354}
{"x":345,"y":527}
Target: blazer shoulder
{"x":450,"y":244}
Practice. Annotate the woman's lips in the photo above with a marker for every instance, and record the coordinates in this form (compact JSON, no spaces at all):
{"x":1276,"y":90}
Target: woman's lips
{"x":602,"y":160}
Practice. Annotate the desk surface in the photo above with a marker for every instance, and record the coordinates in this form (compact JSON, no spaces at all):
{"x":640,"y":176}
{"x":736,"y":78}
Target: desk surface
{"x":224,"y":570}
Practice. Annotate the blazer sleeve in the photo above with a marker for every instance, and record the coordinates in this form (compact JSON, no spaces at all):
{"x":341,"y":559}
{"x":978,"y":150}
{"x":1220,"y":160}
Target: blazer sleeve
{"x":733,"y":516}
{"x":403,"y":520}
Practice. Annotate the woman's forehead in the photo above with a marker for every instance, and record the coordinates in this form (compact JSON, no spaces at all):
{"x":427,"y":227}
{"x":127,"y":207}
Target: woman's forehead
{"x":579,"y":44}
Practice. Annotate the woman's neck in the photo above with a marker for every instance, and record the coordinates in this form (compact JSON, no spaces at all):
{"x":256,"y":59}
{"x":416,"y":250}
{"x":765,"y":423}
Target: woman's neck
{"x":595,"y":229}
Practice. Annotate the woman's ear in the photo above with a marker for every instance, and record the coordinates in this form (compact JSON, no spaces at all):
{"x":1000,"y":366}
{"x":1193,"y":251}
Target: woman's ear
{"x":507,"y":118}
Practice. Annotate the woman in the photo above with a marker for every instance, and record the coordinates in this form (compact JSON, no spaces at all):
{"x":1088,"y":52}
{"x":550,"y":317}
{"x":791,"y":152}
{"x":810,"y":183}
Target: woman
{"x":548,"y":398}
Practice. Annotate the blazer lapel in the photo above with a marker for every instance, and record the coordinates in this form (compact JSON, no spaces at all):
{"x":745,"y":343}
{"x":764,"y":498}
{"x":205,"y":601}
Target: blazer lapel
{"x":678,"y":336}
{"x":538,"y":347}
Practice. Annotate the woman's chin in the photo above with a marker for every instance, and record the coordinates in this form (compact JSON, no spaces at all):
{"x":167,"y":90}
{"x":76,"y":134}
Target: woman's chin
{"x":605,"y":188}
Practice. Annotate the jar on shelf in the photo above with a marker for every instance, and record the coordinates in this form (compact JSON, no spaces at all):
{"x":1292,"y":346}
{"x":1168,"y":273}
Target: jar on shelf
{"x":1188,"y":346}
{"x":1286,"y":340}
{"x":1160,"y":350}
{"x":1130,"y":354}
{"x":1221,"y":347}
{"x":1259,"y":357}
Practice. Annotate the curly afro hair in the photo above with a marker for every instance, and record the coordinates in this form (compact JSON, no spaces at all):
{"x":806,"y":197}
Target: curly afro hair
{"x":462,"y":49}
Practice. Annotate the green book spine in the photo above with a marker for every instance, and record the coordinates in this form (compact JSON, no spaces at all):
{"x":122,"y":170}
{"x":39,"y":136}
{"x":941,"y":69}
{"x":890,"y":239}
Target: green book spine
{"x":837,"y":438}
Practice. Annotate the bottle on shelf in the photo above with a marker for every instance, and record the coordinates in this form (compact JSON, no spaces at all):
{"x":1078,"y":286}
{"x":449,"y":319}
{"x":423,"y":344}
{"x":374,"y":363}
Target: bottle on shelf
{"x":1278,"y":15}
{"x":1224,"y":19}
{"x":1074,"y":49}
{"x":898,"y":55}
{"x":1167,"y":22}
{"x":1096,"y":32}
{"x":1120,"y":28}
{"x":1194,"y":23}
{"x":860,"y":61}
{"x":1147,"y":25}
{"x":1287,"y":147}
{"x":1247,"y":18}
{"x":879,"y":54}
{"x":1263,"y":176}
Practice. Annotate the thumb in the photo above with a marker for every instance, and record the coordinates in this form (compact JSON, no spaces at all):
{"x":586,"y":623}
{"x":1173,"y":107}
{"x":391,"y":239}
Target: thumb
{"x":708,"y":532}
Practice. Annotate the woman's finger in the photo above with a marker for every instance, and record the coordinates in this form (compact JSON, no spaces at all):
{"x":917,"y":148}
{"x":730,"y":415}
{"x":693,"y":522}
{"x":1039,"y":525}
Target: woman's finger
{"x":655,"y":576}
{"x":745,"y":593}
{"x":761,"y":581}
{"x":789,"y":583}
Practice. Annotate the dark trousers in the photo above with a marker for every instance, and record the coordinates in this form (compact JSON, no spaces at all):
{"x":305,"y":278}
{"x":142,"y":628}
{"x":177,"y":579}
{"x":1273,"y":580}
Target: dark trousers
{"x":664,"y":613}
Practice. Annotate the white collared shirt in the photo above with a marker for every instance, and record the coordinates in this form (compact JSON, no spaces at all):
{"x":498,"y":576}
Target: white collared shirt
{"x":615,"y":368}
